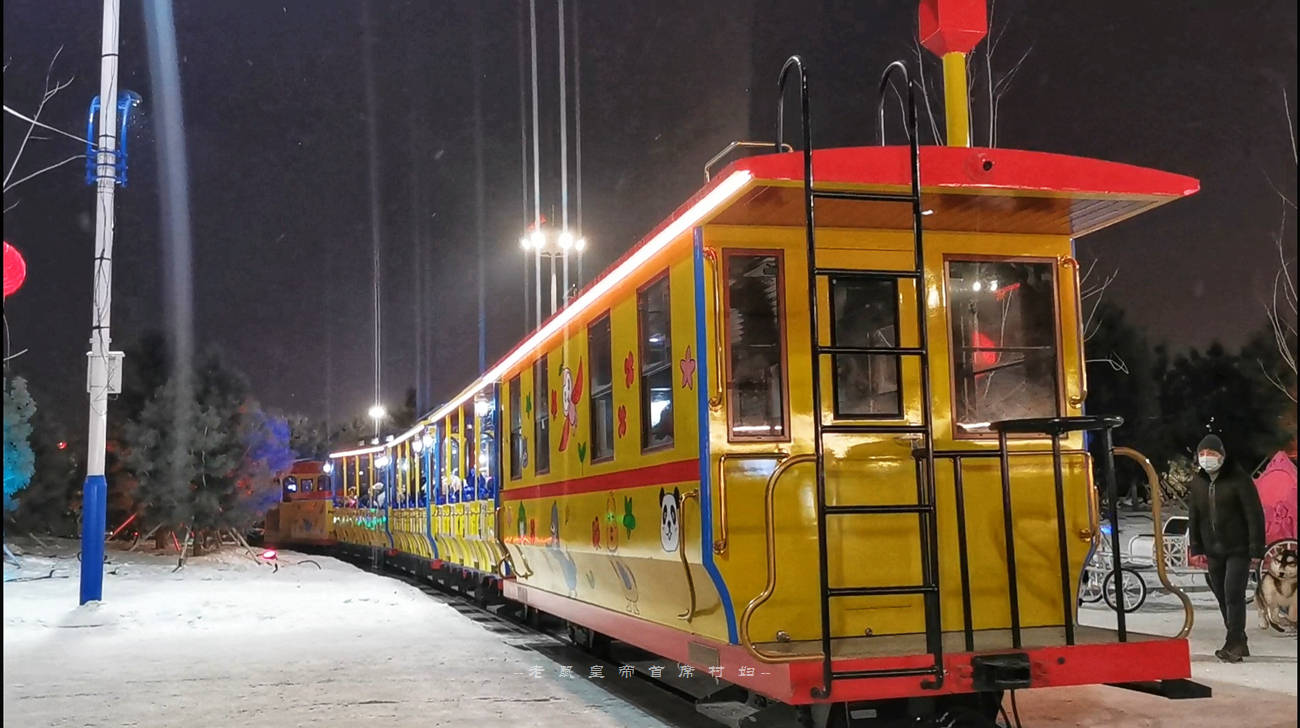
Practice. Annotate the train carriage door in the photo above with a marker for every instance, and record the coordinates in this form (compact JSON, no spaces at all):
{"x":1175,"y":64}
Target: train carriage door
{"x":869,"y":420}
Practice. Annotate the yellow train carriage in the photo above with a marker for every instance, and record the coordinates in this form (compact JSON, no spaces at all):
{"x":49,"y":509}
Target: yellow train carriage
{"x":659,"y":438}
{"x":822,"y":429}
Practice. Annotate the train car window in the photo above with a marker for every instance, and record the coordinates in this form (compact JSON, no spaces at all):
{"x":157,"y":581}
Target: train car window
{"x":487,"y":443}
{"x":541,"y":418}
{"x":453,"y":459}
{"x":469,"y":450}
{"x":1002,"y":334}
{"x":756,"y":385}
{"x":654,"y":319}
{"x":308,"y":485}
{"x":518,"y":445}
{"x":600,"y":357}
{"x":865,"y":315}
{"x":422,"y":463}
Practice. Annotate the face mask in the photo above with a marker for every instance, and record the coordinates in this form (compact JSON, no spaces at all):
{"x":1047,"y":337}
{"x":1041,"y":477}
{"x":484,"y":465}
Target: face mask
{"x":1211,"y":463}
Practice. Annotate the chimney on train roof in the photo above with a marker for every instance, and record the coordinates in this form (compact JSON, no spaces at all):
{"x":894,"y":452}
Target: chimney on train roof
{"x":950,"y":29}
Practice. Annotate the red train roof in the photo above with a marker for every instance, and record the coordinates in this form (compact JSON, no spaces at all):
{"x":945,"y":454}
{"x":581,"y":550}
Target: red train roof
{"x":966,"y":189}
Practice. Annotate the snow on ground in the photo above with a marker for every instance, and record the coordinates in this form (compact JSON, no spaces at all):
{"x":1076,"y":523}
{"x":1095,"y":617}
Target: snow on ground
{"x":228,"y":642}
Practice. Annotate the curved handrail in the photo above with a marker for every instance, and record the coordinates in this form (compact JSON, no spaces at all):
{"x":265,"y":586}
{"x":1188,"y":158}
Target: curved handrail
{"x":738,"y":145}
{"x":720,"y":545}
{"x":769,"y":529}
{"x":1077,"y":400}
{"x":911,"y":100}
{"x":689,"y":614}
{"x":794,"y":62}
{"x":719,"y":373}
{"x":1158,"y":550}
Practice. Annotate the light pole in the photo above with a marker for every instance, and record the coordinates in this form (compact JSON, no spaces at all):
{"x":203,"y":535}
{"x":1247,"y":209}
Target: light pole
{"x":565,"y":245}
{"x":94,"y":497}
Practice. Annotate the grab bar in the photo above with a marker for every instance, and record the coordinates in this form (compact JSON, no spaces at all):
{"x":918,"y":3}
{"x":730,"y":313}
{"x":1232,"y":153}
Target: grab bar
{"x":737,"y":145}
{"x":1158,"y":549}
{"x":689,"y":614}
{"x":720,"y":545}
{"x":769,"y":529}
{"x":715,"y":399}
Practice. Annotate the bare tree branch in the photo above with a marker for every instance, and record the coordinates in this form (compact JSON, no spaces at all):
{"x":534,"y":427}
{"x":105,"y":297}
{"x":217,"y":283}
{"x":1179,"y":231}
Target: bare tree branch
{"x":43,"y":125}
{"x":1290,"y":127}
{"x":1290,"y":393}
{"x":1113,"y":360}
{"x":50,"y":92}
{"x":925,"y":88}
{"x":40,"y":172}
{"x":988,"y":70}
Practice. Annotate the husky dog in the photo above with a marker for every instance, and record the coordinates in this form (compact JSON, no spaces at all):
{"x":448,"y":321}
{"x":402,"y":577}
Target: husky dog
{"x":1276,"y":596}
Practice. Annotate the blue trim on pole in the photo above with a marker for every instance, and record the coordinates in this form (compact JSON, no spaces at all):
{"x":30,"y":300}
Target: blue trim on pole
{"x":93,"y":516}
{"x":126,"y":100}
{"x":702,"y":397}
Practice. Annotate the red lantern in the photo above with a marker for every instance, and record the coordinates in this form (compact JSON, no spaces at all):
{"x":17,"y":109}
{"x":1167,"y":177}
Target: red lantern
{"x":15,"y":270}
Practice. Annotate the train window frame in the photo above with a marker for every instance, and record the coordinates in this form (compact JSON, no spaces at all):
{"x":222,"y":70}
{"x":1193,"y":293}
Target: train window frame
{"x":1058,"y":347}
{"x":541,"y":417}
{"x":601,"y":391}
{"x":644,"y":374}
{"x":898,"y":412}
{"x":783,"y":356}
{"x":514,"y":396}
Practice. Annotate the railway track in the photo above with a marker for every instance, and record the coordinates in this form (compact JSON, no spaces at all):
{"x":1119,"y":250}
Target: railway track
{"x":660,"y":687}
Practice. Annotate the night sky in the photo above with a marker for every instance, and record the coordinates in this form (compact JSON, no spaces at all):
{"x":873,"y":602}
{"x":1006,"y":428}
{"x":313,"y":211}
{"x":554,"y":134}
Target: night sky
{"x":275,"y":110}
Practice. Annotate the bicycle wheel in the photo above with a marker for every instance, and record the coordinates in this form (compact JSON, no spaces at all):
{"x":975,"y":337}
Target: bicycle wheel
{"x":1133,"y":587}
{"x":1090,"y":586}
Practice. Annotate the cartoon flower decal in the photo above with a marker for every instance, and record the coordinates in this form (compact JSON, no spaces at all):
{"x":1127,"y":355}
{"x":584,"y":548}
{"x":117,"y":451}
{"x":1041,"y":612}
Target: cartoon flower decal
{"x":687,"y":365}
{"x":622,"y":421}
{"x":629,"y":370}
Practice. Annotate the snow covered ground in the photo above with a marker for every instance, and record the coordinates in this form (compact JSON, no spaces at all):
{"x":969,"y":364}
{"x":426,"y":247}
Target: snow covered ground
{"x":228,"y":642}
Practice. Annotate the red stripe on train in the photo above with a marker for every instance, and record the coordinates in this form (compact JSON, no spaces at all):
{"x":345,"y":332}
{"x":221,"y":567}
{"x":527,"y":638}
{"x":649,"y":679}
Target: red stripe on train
{"x":678,"y":472}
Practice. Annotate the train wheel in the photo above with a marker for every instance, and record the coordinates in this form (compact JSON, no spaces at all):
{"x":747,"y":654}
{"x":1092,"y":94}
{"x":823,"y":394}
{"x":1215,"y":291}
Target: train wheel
{"x":1132,"y":587}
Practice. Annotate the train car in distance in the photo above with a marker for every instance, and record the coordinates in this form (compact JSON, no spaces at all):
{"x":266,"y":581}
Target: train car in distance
{"x":822,"y":429}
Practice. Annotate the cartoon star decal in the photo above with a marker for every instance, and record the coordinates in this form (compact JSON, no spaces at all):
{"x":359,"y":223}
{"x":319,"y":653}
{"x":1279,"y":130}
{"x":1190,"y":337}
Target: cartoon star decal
{"x":687,"y":365}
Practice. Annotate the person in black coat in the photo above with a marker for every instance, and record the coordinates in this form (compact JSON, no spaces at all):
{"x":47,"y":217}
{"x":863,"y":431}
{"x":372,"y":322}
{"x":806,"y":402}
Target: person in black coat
{"x":1226,"y":525}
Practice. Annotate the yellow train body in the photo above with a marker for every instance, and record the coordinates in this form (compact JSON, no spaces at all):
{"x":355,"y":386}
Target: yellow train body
{"x":648,"y":497}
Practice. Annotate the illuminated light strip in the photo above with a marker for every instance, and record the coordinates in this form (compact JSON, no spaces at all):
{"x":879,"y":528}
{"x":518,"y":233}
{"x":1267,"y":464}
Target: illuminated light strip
{"x":719,"y":195}
{"x":362,"y":451}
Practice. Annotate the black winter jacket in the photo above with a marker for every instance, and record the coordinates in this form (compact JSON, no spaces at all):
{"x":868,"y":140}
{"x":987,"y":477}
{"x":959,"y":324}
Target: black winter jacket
{"x":1225,"y":517}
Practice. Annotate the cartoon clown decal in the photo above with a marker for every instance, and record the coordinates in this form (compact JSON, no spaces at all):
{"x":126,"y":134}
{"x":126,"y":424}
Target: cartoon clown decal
{"x":571,"y":394}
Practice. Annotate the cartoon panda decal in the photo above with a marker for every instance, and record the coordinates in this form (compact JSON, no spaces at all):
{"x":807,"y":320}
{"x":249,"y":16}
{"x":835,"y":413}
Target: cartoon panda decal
{"x":670,"y":519}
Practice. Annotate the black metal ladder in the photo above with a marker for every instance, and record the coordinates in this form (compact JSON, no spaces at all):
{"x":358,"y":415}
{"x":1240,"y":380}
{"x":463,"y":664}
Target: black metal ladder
{"x":924,"y":508}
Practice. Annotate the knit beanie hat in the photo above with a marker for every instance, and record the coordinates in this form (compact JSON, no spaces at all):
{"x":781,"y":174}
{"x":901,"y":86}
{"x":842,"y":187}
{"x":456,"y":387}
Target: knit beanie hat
{"x":1211,"y":442}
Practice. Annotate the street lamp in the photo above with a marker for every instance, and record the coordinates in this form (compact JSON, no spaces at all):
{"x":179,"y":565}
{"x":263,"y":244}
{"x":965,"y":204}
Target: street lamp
{"x":564,"y":245}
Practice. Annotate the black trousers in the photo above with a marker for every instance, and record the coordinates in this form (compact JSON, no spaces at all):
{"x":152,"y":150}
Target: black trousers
{"x":1228,"y":580}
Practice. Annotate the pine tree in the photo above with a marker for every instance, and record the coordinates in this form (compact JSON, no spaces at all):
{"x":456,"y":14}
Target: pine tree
{"x":20,"y":462}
